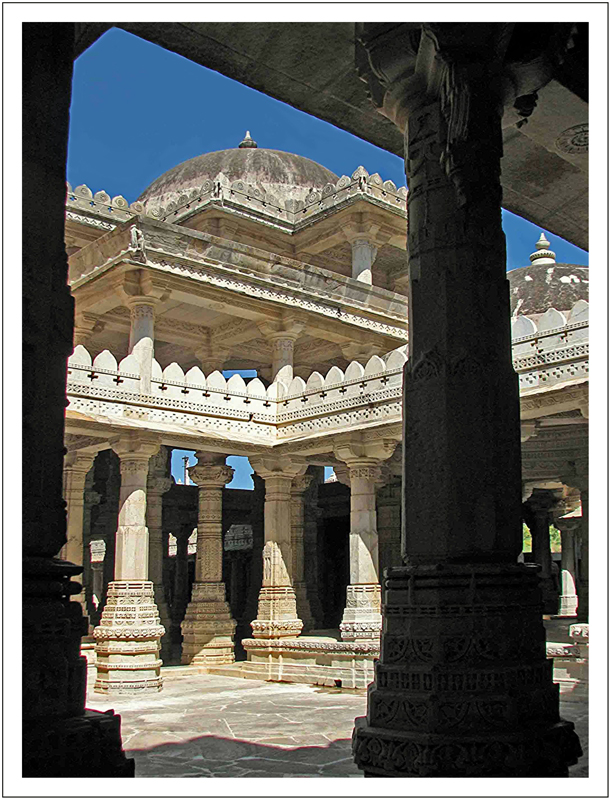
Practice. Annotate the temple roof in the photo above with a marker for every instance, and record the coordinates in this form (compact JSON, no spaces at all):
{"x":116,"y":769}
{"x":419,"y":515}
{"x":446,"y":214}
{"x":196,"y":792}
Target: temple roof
{"x":284,"y":175}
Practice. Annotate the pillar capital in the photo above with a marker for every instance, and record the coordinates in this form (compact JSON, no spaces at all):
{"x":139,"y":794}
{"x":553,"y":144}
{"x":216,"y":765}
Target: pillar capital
{"x":135,"y":449}
{"x":213,"y":476}
{"x":78,"y":461}
{"x":156,"y":485}
{"x":85,"y":324}
{"x":364,"y":452}
{"x":301,"y":484}
{"x":270,"y":467}
{"x":359,"y":351}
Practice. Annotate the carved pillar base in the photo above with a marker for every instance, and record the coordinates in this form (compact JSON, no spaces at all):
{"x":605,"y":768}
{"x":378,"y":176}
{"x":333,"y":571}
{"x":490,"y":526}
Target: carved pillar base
{"x":362,"y":616}
{"x":463,"y":686}
{"x":128,"y":640}
{"x":277,"y":614}
{"x":208,"y":628}
{"x":60,"y":738}
{"x":568,"y":605}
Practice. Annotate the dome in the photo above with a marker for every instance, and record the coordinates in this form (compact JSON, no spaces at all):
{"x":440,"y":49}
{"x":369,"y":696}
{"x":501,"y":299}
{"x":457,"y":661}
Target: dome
{"x":283,"y":175}
{"x":546,"y":284}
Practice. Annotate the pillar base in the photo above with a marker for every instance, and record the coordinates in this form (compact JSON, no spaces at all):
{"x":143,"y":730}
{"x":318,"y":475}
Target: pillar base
{"x":568,"y":605}
{"x":208,"y":628}
{"x":463,"y":686}
{"x":128,"y":641}
{"x":362,"y":618}
{"x":277,"y":614}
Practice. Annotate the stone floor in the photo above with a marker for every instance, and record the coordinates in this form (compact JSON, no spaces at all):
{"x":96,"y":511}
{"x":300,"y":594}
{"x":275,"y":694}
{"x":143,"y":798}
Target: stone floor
{"x":216,"y":726}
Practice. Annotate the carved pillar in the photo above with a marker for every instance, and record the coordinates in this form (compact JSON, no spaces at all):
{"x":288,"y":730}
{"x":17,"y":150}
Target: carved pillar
{"x":277,"y":608}
{"x":244,"y":629}
{"x":569,"y":600}
{"x":208,"y":628}
{"x":142,"y":337}
{"x":156,"y":487}
{"x":298,"y":488}
{"x":364,"y":254}
{"x":282,"y":337}
{"x":76,"y":467}
{"x":537,"y":515}
{"x":389,"y":525}
{"x":127,"y":638}
{"x":311,"y":548}
{"x":584,"y":566}
{"x":362,"y":618}
{"x":462,"y":686}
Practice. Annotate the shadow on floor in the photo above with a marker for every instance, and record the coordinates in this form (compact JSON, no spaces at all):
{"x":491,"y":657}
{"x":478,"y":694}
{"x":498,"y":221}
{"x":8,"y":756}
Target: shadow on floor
{"x":216,"y":757}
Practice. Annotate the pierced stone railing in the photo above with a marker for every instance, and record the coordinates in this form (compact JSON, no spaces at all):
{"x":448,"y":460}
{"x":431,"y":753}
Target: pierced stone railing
{"x":546,"y":356}
{"x":552,"y":349}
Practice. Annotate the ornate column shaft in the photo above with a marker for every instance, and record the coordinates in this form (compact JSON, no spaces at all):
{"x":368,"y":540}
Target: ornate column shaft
{"x":362,"y":618}
{"x":298,"y":488}
{"x":311,"y":555}
{"x":156,"y":487}
{"x":462,"y":686}
{"x":389,"y":525}
{"x":569,"y":600}
{"x":129,"y":633}
{"x":208,"y":628}
{"x":277,"y":607}
{"x":76,"y":467}
{"x":363,"y":255}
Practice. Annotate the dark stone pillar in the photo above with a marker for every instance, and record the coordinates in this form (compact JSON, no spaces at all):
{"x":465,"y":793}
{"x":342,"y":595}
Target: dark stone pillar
{"x":60,"y":738}
{"x":537,"y":515}
{"x":463,"y":686}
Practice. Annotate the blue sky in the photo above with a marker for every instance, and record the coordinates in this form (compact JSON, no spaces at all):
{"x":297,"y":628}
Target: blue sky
{"x":139,"y":110}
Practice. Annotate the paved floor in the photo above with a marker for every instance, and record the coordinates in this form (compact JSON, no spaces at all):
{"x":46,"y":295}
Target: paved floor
{"x":214,"y":726}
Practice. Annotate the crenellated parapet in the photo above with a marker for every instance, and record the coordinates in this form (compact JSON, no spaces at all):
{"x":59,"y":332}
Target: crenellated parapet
{"x":550,"y":351}
{"x":551,"y":348}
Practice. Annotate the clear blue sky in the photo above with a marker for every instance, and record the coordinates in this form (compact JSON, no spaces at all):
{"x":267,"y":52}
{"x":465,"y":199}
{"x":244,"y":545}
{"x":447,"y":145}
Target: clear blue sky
{"x":139,"y":110}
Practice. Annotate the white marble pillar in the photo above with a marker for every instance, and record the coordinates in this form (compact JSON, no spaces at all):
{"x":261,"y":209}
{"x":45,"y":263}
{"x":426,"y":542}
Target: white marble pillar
{"x":364,"y":254}
{"x":156,"y":487}
{"x":584,"y":567}
{"x":208,"y":627}
{"x":76,"y":467}
{"x":362,"y":617}
{"x":142,"y":337}
{"x":277,"y":606}
{"x":568,"y":591}
{"x":129,"y":633}
{"x":299,"y":486}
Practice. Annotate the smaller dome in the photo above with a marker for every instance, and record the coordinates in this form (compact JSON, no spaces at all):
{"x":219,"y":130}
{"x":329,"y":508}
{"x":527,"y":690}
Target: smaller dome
{"x":546,"y":284}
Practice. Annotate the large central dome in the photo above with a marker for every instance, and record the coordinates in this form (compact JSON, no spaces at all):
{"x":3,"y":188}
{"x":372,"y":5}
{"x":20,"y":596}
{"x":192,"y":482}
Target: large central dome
{"x":284,"y":175}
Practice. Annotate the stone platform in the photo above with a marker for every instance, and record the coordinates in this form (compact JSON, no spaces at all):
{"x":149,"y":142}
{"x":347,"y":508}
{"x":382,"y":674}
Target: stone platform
{"x":320,"y":659}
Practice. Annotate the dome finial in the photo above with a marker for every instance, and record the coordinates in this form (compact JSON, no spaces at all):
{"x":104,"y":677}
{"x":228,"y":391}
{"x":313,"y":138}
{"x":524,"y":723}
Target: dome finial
{"x":542,"y":254}
{"x":247,"y":141}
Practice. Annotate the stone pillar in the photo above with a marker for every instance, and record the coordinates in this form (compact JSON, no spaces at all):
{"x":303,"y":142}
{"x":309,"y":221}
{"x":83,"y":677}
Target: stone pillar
{"x":208,"y":628}
{"x":142,"y":337}
{"x":180,"y":594}
{"x":298,"y":487}
{"x":389,"y":525}
{"x":462,"y":686}
{"x":363,"y":255}
{"x":311,"y":547}
{"x":282,"y":336}
{"x":537,"y":515}
{"x":244,"y":628}
{"x":362,"y":618}
{"x":568,"y":593}
{"x":277,"y":607}
{"x":129,"y":633}
{"x":584,"y":566}
{"x":156,"y":487}
{"x":76,"y":467}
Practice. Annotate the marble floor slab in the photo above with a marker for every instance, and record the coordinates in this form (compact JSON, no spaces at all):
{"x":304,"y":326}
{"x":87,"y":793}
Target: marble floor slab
{"x":216,"y":726}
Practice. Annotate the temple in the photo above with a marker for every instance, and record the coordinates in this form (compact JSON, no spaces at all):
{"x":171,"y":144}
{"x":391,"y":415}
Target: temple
{"x":450,"y":399}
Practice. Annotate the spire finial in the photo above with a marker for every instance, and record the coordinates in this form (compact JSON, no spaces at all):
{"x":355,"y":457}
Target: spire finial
{"x":247,"y":141}
{"x":543,"y":255}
